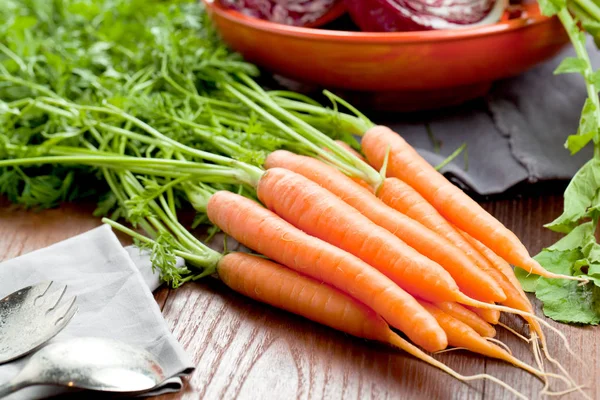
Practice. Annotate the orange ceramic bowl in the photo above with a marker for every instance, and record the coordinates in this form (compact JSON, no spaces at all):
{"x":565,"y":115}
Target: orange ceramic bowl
{"x":396,"y":70}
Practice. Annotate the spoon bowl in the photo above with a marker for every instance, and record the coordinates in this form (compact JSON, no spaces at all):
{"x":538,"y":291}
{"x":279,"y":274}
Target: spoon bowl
{"x":90,"y":363}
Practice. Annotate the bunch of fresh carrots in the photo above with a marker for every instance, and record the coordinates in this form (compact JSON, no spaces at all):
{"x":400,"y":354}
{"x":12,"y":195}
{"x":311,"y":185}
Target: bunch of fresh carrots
{"x":368,"y":243}
{"x":354,"y":250}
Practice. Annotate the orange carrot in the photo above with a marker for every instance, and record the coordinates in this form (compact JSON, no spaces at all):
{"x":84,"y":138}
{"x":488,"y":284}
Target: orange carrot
{"x":461,"y":335}
{"x":458,"y":208}
{"x":271,"y":283}
{"x":360,"y":157}
{"x":489,"y":316}
{"x":362,"y":183}
{"x":516,"y":301}
{"x":268,"y":234}
{"x":350,"y":150}
{"x":402,"y":197}
{"x":322,"y":214}
{"x":496,"y":261}
{"x":469,"y":278}
{"x":405,"y":199}
{"x":467,"y":317}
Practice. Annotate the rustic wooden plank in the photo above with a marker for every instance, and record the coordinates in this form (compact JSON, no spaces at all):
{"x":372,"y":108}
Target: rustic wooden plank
{"x":246,"y":350}
{"x":22,"y":231}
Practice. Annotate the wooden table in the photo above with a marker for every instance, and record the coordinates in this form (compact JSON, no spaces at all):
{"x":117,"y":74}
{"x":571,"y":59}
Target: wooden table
{"x":246,"y":350}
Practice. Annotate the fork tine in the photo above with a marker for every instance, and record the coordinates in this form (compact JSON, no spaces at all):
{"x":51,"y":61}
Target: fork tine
{"x":66,"y":311}
{"x":51,"y":300}
{"x":40,"y":289}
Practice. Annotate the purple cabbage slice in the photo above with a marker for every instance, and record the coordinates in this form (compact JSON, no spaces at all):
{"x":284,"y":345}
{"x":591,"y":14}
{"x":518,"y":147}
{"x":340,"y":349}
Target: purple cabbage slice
{"x":418,"y":15}
{"x":288,"y":12}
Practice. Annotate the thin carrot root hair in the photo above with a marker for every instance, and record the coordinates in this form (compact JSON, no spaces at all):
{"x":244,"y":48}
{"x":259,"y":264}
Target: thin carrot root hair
{"x":533,"y":321}
{"x":510,"y":310}
{"x":541,"y":271}
{"x":397,"y":341}
{"x":500,"y":343}
{"x":537,"y":354}
{"x":566,"y":391}
{"x":448,"y":350}
{"x":457,"y":331}
{"x":552,"y":275}
{"x":541,"y":374}
{"x":562,"y":369}
{"x":538,"y":351}
{"x":514,"y":332}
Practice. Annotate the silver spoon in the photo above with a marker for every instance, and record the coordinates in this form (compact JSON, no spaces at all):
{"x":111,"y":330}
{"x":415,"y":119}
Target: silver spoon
{"x":89,"y":363}
{"x":31,"y":316}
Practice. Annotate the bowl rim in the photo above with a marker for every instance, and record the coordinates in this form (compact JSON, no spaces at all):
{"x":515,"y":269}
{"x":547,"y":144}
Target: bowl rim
{"x":317,"y":34}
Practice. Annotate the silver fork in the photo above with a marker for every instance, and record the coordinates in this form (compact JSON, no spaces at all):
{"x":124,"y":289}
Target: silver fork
{"x":31,"y":316}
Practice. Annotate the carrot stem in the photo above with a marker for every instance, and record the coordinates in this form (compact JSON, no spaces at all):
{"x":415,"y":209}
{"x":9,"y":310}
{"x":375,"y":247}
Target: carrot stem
{"x":315,"y":140}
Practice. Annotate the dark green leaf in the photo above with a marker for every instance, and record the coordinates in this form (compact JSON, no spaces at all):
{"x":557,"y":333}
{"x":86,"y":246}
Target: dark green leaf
{"x":567,"y":301}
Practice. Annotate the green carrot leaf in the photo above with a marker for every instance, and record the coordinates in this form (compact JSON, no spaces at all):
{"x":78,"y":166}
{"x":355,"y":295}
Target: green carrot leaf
{"x":594,"y":79}
{"x":571,"y":65}
{"x":551,"y":7}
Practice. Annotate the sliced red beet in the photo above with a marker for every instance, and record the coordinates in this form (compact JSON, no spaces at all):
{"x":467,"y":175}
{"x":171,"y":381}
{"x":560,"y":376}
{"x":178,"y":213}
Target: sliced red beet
{"x":418,"y":15}
{"x":289,"y":12}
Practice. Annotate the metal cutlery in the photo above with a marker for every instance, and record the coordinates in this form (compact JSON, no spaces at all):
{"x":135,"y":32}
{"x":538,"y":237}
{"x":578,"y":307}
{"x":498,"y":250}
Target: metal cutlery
{"x":89,"y":363}
{"x":31,"y":316}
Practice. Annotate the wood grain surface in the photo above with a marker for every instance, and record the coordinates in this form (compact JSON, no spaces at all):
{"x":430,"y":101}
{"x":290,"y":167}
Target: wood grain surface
{"x":246,"y":350}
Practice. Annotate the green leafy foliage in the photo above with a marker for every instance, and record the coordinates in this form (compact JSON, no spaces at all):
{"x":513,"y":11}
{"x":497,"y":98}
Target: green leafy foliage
{"x":577,"y":253}
{"x":569,"y":301}
{"x":580,"y":198}
{"x":86,"y":78}
{"x":551,"y":7}
{"x":588,"y":128}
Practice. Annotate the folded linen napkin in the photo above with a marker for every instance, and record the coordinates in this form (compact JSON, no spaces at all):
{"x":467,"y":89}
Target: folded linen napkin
{"x":114,"y":287}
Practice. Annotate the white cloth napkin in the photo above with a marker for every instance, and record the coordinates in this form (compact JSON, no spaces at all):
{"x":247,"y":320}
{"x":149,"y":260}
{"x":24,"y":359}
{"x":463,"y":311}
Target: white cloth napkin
{"x":114,"y":287}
